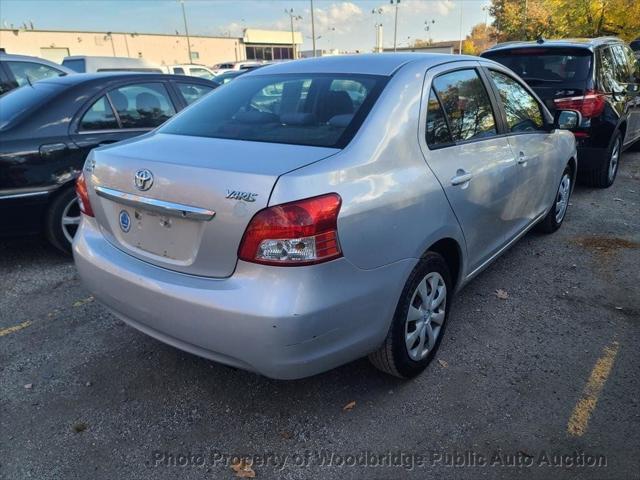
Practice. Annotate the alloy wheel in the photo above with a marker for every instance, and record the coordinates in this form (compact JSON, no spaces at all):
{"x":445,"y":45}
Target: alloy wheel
{"x":425,"y":316}
{"x":562,"y":198}
{"x":613,"y":161}
{"x":70,"y":219}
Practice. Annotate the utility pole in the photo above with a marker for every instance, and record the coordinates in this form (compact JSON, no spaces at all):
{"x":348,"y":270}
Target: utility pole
{"x":395,"y":28}
{"x":186,"y":30}
{"x":313,"y":31}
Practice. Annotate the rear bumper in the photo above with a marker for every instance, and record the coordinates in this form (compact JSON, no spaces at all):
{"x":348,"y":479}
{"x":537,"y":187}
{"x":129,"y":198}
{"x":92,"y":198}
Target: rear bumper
{"x":281,"y":322}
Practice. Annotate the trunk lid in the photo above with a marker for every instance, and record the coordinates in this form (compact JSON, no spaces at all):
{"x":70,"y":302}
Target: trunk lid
{"x":548,"y":93}
{"x":203,"y":194}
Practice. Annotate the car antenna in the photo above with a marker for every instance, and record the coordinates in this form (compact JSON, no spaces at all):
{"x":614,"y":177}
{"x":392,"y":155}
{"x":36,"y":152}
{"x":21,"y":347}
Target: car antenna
{"x":29,"y":81}
{"x":540,"y":40}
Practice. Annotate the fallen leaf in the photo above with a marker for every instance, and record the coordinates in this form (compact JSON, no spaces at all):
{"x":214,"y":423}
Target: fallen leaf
{"x":243,"y":469}
{"x":502,"y":294}
{"x":79,"y":427}
{"x":349,"y":406}
{"x":286,"y":435}
{"x":79,"y":303}
{"x":28,"y":386}
{"x":443,"y":363}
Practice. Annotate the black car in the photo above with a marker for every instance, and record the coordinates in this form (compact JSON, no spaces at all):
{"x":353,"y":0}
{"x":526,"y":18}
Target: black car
{"x":600,"y":78}
{"x":48,"y":128}
{"x":18,"y":70}
{"x":635,"y":46}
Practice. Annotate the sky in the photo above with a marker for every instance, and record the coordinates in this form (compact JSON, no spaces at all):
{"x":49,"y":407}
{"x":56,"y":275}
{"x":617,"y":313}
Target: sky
{"x":346,"y":25}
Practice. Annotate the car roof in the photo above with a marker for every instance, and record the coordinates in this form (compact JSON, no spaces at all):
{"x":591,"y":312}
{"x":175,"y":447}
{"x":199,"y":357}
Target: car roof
{"x":365,"y":64}
{"x":589,"y":43}
{"x":27,"y":58}
{"x":107,"y":77}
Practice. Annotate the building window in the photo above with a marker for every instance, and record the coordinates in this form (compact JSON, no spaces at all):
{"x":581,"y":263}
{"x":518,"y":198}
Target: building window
{"x":195,"y":56}
{"x":268,"y":52}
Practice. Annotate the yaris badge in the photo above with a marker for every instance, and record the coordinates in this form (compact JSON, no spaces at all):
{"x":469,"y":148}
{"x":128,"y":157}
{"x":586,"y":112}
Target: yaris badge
{"x":143,"y":179}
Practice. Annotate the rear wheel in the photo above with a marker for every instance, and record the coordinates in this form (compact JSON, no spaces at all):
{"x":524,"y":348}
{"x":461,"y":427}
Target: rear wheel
{"x":419,"y":320}
{"x":605,"y":174}
{"x":558,"y":210}
{"x":62,"y":220}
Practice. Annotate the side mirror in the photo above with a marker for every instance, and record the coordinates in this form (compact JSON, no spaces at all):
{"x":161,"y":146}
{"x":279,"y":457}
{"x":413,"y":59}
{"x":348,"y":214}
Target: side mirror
{"x":633,"y":89}
{"x":567,"y":119}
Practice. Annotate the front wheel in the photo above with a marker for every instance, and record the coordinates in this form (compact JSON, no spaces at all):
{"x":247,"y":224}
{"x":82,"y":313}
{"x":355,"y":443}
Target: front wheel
{"x":62,"y":220}
{"x":558,"y":210}
{"x":419,"y":320}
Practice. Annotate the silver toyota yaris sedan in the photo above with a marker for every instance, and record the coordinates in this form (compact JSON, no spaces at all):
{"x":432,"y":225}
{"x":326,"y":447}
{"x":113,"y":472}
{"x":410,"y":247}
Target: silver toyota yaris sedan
{"x":314,"y":212}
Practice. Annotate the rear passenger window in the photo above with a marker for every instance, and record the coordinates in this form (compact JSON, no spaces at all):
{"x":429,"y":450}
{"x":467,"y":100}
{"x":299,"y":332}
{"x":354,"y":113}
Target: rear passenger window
{"x":192,"y":92}
{"x":466,"y":104}
{"x":609,"y":76}
{"x":437,"y":129}
{"x":142,"y":105}
{"x":522,"y":110}
{"x":99,"y":117}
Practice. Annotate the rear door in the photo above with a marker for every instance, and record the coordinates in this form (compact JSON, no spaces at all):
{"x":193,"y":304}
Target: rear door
{"x":474,"y":165}
{"x":627,"y":72}
{"x":532,"y":143}
{"x":123,"y":112}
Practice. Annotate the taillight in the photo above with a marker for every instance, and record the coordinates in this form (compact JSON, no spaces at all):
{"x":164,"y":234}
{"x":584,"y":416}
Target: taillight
{"x":83,"y":196}
{"x":304,"y":232}
{"x":591,"y":104}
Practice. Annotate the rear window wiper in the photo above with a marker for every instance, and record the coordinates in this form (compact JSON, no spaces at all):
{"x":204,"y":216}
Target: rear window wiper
{"x":541,"y":80}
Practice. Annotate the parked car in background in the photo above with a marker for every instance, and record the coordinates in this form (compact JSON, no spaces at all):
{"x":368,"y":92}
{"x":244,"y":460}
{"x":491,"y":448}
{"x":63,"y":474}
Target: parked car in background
{"x":48,"y":128}
{"x":192,"y":70}
{"x":227,"y":76}
{"x":311,"y":213}
{"x":18,"y":70}
{"x":86,"y":64}
{"x":598,"y":77}
{"x":234,"y":66}
{"x":635,"y":46}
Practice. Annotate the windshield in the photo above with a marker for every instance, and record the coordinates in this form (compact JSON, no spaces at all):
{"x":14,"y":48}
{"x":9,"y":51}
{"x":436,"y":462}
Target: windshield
{"x":24,"y":99}
{"x":546,"y":65}
{"x":323,"y":110}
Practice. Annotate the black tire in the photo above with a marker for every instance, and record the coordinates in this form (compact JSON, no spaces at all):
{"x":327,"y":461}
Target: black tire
{"x":552,"y":222}
{"x":601,"y":177}
{"x":53,"y":228}
{"x":393,"y":356}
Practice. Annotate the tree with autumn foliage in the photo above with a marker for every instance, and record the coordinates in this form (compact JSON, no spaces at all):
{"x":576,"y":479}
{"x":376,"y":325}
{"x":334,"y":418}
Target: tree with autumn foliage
{"x":529,"y":19}
{"x":482,"y":36}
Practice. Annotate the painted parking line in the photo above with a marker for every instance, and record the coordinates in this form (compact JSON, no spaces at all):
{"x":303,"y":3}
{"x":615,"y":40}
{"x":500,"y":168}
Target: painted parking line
{"x":15,"y":328}
{"x":579,"y":420}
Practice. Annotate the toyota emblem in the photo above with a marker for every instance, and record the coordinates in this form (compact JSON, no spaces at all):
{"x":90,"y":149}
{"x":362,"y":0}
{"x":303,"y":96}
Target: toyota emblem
{"x":143,"y":179}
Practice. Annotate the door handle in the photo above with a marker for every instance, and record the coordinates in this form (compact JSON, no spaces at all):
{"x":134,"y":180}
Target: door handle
{"x":523,"y":159}
{"x":461,"y":177}
{"x":106,"y":142}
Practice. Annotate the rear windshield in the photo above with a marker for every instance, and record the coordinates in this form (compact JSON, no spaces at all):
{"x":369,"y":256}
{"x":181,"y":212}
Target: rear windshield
{"x":323,"y":110}
{"x":15,"y":103}
{"x":76,"y":65}
{"x":546,"y":65}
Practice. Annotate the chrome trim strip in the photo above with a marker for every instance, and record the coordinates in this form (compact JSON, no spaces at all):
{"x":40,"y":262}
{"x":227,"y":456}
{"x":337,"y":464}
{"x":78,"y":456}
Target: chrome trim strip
{"x":160,"y":206}
{"x":22,"y":195}
{"x":505,"y":247}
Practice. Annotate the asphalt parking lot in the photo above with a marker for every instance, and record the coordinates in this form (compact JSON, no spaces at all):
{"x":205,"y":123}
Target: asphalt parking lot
{"x":531,"y":383}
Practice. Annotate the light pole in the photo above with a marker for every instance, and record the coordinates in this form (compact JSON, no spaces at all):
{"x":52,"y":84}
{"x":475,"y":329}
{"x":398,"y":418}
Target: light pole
{"x":293,"y":17}
{"x":378,"y":26}
{"x":395,"y":27}
{"x":427,"y":28}
{"x":186,"y":30}
{"x":460,"y":47}
{"x":313,"y":31}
